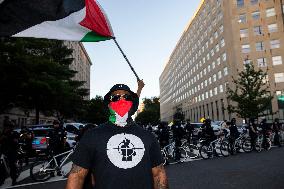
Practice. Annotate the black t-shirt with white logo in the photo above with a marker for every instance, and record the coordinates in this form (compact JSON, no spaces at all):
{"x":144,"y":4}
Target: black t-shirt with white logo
{"x":119,"y":157}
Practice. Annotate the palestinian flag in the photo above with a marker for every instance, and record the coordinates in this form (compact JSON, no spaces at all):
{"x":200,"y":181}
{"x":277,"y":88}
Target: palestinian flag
{"x":72,"y":20}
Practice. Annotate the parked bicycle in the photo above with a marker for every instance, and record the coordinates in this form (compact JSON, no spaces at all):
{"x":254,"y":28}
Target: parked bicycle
{"x":191,"y":149}
{"x":209,"y":149}
{"x":44,"y":170}
{"x":172,"y":155}
{"x":237,"y":145}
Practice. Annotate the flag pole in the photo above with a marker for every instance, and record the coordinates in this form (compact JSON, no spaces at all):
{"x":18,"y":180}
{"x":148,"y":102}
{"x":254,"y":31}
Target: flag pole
{"x":126,"y":59}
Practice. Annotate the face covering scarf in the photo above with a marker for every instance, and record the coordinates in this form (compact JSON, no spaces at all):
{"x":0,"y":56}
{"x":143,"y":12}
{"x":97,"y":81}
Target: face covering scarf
{"x":119,"y":112}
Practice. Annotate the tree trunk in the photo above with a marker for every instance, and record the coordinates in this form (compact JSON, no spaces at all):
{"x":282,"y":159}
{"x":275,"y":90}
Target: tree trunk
{"x":37,"y":115}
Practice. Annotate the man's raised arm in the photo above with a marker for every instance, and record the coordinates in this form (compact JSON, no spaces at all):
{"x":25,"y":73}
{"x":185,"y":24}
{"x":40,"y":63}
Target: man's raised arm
{"x":76,"y":177}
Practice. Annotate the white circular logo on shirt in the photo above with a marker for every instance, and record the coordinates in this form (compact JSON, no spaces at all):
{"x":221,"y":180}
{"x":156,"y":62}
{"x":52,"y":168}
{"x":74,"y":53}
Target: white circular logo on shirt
{"x":125,"y":150}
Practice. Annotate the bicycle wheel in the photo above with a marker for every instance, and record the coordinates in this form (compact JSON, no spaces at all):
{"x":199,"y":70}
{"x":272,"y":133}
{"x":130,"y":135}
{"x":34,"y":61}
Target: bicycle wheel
{"x":192,"y":151}
{"x":225,"y":149}
{"x":206,"y":151}
{"x":177,"y":156}
{"x":39,"y":172}
{"x":258,"y":145}
{"x":247,"y":146}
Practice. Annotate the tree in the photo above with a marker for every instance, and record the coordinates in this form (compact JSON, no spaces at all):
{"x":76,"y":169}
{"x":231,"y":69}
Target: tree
{"x":250,"y":93}
{"x":96,"y":111}
{"x":35,"y":74}
{"x":151,"y":112}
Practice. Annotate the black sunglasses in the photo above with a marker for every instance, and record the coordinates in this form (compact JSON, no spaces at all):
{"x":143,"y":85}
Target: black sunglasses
{"x":117,"y":97}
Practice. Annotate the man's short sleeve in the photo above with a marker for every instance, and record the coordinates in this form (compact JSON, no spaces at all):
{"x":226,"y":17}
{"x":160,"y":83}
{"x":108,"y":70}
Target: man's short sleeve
{"x":155,"y":153}
{"x":83,"y":154}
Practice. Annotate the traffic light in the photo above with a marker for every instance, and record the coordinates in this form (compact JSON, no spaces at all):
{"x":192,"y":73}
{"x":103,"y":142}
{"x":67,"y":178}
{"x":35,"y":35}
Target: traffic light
{"x":280,"y":101}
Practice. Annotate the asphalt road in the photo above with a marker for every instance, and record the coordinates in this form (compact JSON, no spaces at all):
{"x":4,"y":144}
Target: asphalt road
{"x":246,"y":171}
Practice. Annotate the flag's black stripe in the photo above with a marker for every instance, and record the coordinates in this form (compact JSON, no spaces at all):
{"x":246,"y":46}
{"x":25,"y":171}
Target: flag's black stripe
{"x":18,"y":15}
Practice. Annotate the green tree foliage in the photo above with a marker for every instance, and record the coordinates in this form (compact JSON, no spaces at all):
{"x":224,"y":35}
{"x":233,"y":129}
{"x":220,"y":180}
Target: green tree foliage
{"x":96,"y":111}
{"x":151,"y":112}
{"x":250,"y":93}
{"x":35,"y":74}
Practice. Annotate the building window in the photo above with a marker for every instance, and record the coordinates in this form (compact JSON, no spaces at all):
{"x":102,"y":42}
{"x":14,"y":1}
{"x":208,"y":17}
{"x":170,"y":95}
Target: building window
{"x":242,"y":18}
{"x":244,"y":33}
{"x":259,"y":46}
{"x":211,"y":40}
{"x":225,"y":71}
{"x":221,"y":89}
{"x":253,"y":2}
{"x":219,"y":75}
{"x":261,"y":62}
{"x":210,"y":80}
{"x":270,"y":12}
{"x":277,"y":60}
{"x":217,"y":48}
{"x":222,"y":42}
{"x":214,"y":78}
{"x":213,"y":65}
{"x":246,"y":48}
{"x":224,"y":57}
{"x":275,"y":44}
{"x":221,"y":28}
{"x":257,"y":30}
{"x":272,"y":28}
{"x":279,"y":77}
{"x":209,"y":68}
{"x":247,"y":61}
{"x":218,"y":61}
{"x":255,"y":15}
{"x":216,"y":35}
{"x":211,"y":93}
{"x":212,"y":52}
{"x":215,"y":91}
{"x":240,"y":3}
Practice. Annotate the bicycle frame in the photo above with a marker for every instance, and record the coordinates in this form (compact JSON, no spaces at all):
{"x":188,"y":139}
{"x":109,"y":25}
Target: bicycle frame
{"x":3,"y":159}
{"x":54,"y":158}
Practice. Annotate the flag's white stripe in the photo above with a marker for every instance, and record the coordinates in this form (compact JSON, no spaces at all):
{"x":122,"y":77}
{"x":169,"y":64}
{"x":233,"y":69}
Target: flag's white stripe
{"x":67,"y":28}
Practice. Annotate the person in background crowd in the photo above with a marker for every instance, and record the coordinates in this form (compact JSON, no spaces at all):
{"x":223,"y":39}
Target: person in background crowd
{"x":57,"y":140}
{"x":266,"y":130}
{"x":26,"y":139}
{"x":224,"y":127}
{"x":276,"y":128}
{"x":234,"y":134}
{"x":189,"y":131}
{"x":208,"y":133}
{"x":178,"y":133}
{"x":163,"y":134}
{"x":253,"y":131}
{"x":9,"y":147}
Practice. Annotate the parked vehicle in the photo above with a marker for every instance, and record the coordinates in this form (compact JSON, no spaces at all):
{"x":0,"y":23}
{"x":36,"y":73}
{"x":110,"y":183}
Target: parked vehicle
{"x":40,"y":140}
{"x":73,"y":127}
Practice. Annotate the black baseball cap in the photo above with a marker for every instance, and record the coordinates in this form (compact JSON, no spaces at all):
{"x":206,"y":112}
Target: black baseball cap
{"x":119,"y":87}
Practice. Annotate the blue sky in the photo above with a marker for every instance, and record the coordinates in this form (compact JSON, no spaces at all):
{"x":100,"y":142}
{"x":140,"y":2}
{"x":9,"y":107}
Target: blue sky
{"x":147,"y":31}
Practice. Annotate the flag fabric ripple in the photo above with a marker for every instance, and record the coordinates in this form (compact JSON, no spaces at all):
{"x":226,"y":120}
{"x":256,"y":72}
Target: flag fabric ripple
{"x":72,"y":20}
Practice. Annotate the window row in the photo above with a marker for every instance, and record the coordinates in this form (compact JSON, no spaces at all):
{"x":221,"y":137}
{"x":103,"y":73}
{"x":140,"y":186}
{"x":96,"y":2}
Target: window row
{"x":262,"y":62}
{"x":259,"y":46}
{"x":256,"y":15}
{"x":208,"y":94}
{"x":258,"y":30}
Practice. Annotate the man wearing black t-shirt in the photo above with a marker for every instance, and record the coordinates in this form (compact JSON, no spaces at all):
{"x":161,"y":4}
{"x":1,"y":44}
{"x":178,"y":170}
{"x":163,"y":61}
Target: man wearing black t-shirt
{"x":120,"y":154}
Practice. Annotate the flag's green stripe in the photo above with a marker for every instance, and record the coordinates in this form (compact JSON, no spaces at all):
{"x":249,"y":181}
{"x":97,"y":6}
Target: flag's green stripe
{"x":94,"y":37}
{"x":112,"y":117}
